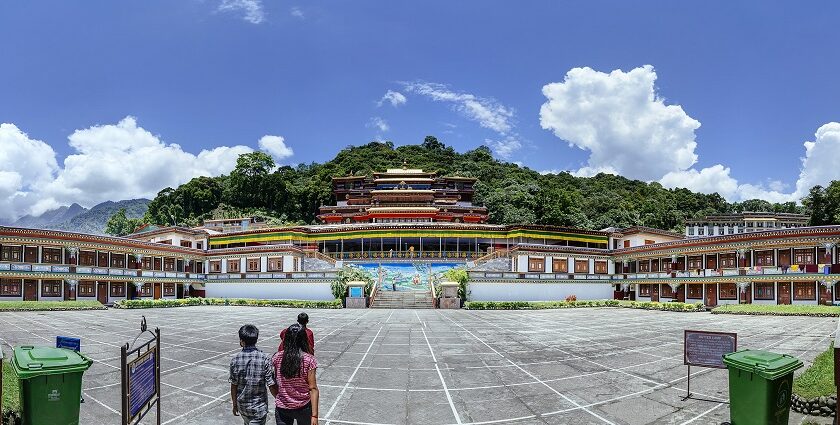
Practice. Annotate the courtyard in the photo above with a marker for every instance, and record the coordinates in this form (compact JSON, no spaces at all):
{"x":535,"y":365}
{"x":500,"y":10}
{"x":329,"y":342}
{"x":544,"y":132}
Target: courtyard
{"x":571,"y":366}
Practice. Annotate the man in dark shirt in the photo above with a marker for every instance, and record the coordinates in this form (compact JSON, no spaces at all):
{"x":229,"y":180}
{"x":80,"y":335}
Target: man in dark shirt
{"x":250,"y":373}
{"x":303,"y":319}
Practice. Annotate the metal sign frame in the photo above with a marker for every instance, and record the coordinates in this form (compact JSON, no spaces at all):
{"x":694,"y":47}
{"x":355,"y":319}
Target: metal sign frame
{"x":139,"y":354}
{"x":686,"y":332}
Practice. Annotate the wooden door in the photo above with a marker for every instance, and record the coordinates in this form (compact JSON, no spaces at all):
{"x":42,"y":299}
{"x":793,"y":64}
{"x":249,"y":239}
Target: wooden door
{"x":102,"y":292}
{"x":157,"y":290}
{"x":784,"y":258}
{"x":30,"y":290}
{"x":746,"y":295}
{"x":654,"y":293}
{"x":784,"y":293}
{"x":711,"y":294}
{"x":69,"y":294}
{"x":681,"y":293}
{"x":711,"y":262}
{"x":825,"y":296}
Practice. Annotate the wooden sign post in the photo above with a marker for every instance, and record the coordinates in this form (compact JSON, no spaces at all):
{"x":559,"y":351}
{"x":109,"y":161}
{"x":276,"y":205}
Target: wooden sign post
{"x":140,"y":376}
{"x":706,"y":349}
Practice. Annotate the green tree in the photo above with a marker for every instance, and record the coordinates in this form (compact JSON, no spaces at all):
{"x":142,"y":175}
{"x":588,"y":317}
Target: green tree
{"x":120,"y":225}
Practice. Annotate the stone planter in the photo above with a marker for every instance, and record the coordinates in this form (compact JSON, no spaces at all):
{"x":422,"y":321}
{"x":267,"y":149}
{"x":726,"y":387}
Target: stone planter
{"x":819,"y":406}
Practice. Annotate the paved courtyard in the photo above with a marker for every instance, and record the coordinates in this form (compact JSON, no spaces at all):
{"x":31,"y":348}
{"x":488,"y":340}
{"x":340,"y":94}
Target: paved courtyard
{"x":574,"y":366}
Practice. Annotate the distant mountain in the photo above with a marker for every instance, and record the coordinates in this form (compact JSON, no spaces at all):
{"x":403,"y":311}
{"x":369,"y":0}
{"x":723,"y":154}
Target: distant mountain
{"x":76,"y":218}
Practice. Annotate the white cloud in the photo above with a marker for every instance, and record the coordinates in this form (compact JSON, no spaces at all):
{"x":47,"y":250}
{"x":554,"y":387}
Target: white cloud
{"x":379,"y":123}
{"x":297,"y":13}
{"x":620,"y":119}
{"x":276,"y":146}
{"x":253,"y":9}
{"x":819,"y":166}
{"x":110,"y":162}
{"x":488,"y":112}
{"x":395,"y":98}
{"x":504,"y":148}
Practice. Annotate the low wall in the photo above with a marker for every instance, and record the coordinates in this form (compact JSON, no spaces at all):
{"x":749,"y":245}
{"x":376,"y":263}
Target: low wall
{"x":486,"y":291}
{"x":270,"y":290}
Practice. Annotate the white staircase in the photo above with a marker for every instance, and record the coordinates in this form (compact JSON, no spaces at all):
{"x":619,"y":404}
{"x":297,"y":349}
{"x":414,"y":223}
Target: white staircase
{"x":402,"y":299}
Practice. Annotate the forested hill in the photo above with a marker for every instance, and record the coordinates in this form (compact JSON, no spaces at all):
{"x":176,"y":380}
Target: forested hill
{"x":513,"y":194}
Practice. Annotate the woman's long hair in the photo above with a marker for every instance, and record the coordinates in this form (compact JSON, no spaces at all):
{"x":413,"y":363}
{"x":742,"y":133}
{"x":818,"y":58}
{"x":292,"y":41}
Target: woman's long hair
{"x":294,"y":345}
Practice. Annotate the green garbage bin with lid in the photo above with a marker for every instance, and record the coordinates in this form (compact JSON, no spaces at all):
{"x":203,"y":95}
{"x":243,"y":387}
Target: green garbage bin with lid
{"x":50,"y":384}
{"x":759,"y":386}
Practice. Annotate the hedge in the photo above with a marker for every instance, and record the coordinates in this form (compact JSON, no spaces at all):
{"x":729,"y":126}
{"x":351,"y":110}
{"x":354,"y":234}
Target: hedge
{"x":540,"y":305}
{"x":50,"y":305}
{"x":185,"y":302}
{"x":779,"y":310}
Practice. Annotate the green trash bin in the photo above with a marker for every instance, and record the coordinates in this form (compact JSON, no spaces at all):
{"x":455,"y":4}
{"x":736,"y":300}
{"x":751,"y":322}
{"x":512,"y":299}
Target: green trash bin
{"x":759,"y":386}
{"x":50,"y":384}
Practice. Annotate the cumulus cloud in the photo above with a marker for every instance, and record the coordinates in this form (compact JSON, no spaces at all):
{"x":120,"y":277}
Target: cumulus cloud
{"x":819,"y":166}
{"x":619,"y":118}
{"x":276,"y":147}
{"x":252,"y":9}
{"x":379,"y":123}
{"x":109,"y":162}
{"x":395,"y":98}
{"x":487,"y":112}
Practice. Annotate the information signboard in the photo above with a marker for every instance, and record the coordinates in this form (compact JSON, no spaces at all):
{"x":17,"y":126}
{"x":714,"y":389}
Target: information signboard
{"x":706,"y":349}
{"x":356,"y":292}
{"x":142,"y":382}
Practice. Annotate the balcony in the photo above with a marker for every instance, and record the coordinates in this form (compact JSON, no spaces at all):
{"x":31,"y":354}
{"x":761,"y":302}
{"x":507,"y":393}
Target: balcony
{"x":743,"y":271}
{"x":486,"y":275}
{"x":257,"y":276}
{"x":96,"y":271}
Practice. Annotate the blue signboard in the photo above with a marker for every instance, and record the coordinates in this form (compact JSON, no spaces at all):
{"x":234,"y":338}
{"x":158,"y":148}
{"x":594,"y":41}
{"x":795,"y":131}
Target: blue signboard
{"x":142,"y":386}
{"x":356,"y":292}
{"x":69,"y":343}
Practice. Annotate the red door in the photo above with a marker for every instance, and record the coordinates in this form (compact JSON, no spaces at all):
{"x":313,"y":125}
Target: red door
{"x":784,"y":293}
{"x":711,"y":294}
{"x":30,"y":290}
{"x":654,"y":293}
{"x":681,"y":293}
{"x":157,"y":290}
{"x":746,"y":295}
{"x":102,"y":292}
{"x":825,"y":296}
{"x":69,"y":294}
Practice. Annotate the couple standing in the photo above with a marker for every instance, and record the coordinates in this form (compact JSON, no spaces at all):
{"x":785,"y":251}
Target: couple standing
{"x":289,"y":375}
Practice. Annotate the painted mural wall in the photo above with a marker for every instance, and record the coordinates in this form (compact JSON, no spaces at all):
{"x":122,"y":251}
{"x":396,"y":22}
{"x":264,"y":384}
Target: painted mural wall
{"x":414,"y":276}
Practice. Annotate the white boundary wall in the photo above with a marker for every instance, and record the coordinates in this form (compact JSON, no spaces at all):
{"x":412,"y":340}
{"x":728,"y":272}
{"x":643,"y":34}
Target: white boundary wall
{"x":481,"y":291}
{"x":269,"y":291}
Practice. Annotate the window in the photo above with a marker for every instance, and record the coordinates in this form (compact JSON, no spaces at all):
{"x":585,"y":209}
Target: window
{"x":649,"y":242}
{"x":117,"y":289}
{"x":536,"y":264}
{"x":695,"y":263}
{"x":147,"y":263}
{"x":169,"y":264}
{"x":654,"y":265}
{"x":158,"y":263}
{"x":560,"y":265}
{"x":233,"y":266}
{"x":86,"y":289}
{"x":11,"y":253}
{"x":627,"y":244}
{"x":644,"y":266}
{"x":253,"y":264}
{"x":146,"y":290}
{"x":169,"y":289}
{"x":803,"y":256}
{"x":215,"y":267}
{"x":581,"y":266}
{"x":103,"y":259}
{"x":690,"y":231}
{"x":600,"y":267}
{"x":30,"y":254}
{"x":199,"y":245}
{"x":186,"y":244}
{"x":9,"y":287}
{"x":87,"y":258}
{"x":51,"y":288}
{"x":667,"y":291}
{"x":728,"y":291}
{"x":166,"y":242}
{"x":727,"y":261}
{"x":51,"y":255}
{"x":644,"y":290}
{"x":804,"y":291}
{"x":764,"y":290}
{"x":695,"y":291}
{"x":118,"y":260}
{"x":764,"y":258}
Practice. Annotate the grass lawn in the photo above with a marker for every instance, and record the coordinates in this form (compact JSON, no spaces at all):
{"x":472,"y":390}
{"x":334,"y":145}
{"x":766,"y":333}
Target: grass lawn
{"x":10,"y":389}
{"x":779,"y":310}
{"x":817,"y":380}
{"x":49,"y":305}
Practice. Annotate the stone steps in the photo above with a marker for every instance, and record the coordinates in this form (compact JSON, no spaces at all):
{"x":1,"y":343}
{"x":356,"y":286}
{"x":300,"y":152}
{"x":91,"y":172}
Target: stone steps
{"x":402,"y":299}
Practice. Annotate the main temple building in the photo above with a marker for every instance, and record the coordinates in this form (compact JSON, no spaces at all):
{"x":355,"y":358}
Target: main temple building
{"x":405,"y":226}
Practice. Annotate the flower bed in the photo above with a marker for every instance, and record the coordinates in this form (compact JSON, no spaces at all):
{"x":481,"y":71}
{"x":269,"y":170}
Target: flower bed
{"x":50,"y":305}
{"x":814,"y":392}
{"x":779,"y":310}
{"x":540,"y":305}
{"x":185,"y":302}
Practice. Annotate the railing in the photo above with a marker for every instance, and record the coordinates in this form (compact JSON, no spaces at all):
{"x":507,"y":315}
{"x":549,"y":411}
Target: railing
{"x":290,"y":275}
{"x":743,"y":271}
{"x":102,"y":271}
{"x":402,"y":255}
{"x":318,"y":255}
{"x":491,"y":256}
{"x":484,"y":275}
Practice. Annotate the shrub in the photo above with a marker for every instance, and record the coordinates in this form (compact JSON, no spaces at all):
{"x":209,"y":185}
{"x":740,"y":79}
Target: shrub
{"x":571,"y":298}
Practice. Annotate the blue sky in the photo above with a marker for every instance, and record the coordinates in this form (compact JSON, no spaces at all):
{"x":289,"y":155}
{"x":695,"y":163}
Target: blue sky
{"x":754,"y":80}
